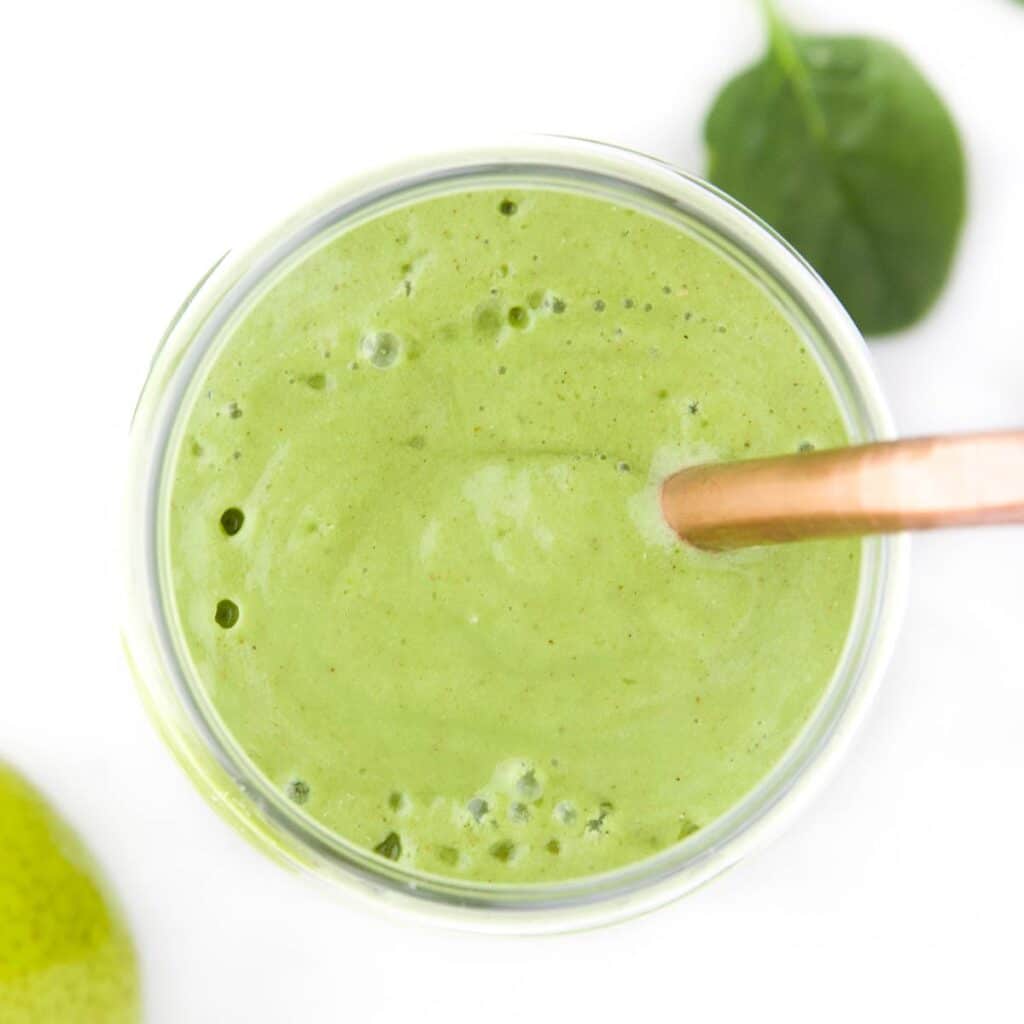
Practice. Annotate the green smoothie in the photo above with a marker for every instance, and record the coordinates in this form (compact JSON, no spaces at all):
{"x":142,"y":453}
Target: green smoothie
{"x":416,"y":554}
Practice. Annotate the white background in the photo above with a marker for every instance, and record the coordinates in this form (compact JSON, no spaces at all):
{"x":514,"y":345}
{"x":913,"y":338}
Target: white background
{"x":142,"y":141}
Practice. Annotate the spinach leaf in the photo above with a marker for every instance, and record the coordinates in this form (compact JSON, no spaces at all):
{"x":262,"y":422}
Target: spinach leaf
{"x":842,"y":146}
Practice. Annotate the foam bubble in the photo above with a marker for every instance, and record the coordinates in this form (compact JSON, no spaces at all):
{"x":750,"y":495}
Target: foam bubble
{"x":564,"y":812}
{"x":381,"y":349}
{"x":529,"y":786}
{"x":519,"y":813}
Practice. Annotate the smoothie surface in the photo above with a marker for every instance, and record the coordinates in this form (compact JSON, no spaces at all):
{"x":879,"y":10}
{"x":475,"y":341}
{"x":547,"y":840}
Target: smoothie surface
{"x":415,"y":550}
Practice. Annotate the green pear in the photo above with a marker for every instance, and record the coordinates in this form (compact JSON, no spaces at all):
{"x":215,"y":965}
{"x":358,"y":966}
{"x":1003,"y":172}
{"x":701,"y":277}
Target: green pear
{"x":65,"y":954}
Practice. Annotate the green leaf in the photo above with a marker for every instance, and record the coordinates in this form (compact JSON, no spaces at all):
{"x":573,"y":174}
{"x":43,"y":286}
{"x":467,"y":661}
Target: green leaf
{"x":842,"y":146}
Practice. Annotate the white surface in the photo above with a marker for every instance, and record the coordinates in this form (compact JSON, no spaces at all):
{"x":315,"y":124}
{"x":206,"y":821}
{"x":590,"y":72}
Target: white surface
{"x":139,"y":142}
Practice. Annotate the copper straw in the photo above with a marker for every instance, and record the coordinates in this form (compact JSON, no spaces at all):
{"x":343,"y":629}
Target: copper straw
{"x":917,"y":484}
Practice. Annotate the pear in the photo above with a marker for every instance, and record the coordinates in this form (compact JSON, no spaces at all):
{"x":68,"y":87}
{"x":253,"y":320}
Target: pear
{"x":65,"y":954}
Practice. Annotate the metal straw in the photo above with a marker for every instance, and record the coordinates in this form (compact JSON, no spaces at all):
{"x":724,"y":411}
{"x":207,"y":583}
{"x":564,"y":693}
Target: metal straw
{"x":916,"y":484}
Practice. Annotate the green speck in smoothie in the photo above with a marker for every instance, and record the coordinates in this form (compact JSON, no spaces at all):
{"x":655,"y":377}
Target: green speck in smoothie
{"x":503,"y":850}
{"x":686,"y":827}
{"x":507,"y":207}
{"x":390,"y":846}
{"x":297,"y":791}
{"x":518,"y":317}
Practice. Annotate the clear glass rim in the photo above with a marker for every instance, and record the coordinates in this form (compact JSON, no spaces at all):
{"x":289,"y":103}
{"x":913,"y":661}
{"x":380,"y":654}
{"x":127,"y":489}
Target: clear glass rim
{"x":193,"y":736}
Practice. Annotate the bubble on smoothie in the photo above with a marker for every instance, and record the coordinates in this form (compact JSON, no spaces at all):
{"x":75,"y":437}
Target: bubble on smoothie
{"x":519,"y":813}
{"x":381,"y":349}
{"x":297,"y":791}
{"x":564,"y":812}
{"x":529,"y":786}
{"x":231,"y":520}
{"x":226,"y":614}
